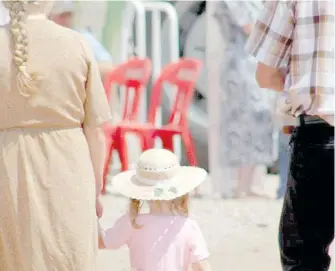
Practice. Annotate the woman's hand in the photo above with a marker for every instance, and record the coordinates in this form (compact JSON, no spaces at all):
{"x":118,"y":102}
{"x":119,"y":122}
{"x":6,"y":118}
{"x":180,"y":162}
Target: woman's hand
{"x":99,"y":207}
{"x":101,"y":242}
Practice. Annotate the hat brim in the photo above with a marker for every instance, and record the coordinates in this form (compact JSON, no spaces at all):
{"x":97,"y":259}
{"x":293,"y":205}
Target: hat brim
{"x":187,"y":179}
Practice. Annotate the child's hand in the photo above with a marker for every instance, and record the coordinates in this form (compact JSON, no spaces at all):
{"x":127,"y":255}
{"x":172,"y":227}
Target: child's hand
{"x":201,"y":266}
{"x":99,"y":207}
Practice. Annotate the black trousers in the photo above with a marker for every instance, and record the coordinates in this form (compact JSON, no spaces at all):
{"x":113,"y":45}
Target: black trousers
{"x":307,"y":220}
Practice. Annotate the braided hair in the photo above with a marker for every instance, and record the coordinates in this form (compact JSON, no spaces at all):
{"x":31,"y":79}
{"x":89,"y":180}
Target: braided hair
{"x":27,"y":83}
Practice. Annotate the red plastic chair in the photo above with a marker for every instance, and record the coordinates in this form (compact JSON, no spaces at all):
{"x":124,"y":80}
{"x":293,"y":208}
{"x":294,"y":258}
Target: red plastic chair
{"x":183,"y":75}
{"x":133,"y":76}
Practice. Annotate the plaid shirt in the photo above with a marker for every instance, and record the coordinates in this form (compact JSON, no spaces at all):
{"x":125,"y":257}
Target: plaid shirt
{"x":299,"y":36}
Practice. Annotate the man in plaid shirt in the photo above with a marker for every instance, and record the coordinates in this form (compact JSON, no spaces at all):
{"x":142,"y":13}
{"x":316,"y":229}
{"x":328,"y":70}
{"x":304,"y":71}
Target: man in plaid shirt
{"x":293,"y":42}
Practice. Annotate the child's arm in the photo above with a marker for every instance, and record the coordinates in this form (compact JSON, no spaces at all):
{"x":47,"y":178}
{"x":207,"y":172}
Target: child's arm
{"x":117,"y":236}
{"x":201,"y":266}
{"x":198,"y":248}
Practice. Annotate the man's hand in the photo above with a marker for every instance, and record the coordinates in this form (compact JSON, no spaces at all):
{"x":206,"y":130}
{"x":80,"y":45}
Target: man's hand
{"x":269,"y":77}
{"x":247,"y":29}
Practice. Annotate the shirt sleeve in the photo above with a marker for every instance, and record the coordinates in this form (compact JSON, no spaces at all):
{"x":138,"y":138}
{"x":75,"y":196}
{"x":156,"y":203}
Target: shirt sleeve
{"x":271,"y":40}
{"x":198,"y":246}
{"x":119,"y":234}
{"x":96,"y":106}
{"x":243,"y":12}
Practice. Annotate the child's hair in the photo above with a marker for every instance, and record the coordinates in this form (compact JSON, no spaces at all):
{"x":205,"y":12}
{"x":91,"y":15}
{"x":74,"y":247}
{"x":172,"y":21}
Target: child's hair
{"x":178,"y":206}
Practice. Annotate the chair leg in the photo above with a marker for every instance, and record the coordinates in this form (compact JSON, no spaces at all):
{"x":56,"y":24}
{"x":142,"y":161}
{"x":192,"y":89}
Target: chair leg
{"x":108,"y":159}
{"x":167,"y":140}
{"x":190,"y":148}
{"x":147,"y":142}
{"x":109,"y":151}
{"x":144,"y":143}
{"x":151,"y":143}
{"x":123,"y":151}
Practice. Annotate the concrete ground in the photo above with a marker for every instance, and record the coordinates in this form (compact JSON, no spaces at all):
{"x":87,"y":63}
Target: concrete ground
{"x":241,"y":234}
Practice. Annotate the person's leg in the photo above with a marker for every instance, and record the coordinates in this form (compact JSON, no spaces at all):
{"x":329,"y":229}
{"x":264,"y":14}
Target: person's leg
{"x":283,"y":163}
{"x":241,"y":185}
{"x":307,"y":220}
{"x":245,"y":180}
{"x":253,"y":175}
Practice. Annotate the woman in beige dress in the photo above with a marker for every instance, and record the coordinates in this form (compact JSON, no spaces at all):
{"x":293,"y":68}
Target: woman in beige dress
{"x":50,"y":168}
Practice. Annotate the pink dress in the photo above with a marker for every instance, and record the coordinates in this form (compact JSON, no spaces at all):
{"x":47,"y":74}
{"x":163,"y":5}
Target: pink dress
{"x":164,"y":243}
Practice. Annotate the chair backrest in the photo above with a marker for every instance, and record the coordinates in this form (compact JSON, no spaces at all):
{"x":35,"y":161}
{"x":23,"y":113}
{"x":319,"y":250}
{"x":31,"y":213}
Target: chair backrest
{"x":133,"y":76}
{"x":183,"y":75}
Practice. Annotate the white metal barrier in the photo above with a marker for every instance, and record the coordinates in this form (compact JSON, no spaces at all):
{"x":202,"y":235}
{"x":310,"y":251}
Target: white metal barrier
{"x":132,"y":43}
{"x":134,"y":10}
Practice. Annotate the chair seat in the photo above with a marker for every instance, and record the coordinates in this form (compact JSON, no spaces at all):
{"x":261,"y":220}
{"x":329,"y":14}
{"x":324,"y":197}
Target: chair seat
{"x":136,"y":125}
{"x":170,"y":128}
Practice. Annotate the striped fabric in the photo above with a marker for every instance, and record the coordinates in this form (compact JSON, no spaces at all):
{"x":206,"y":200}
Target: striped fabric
{"x":299,"y":35}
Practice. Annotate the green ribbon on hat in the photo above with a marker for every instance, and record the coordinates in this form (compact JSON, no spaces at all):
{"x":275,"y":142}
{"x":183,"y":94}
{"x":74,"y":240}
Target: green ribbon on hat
{"x":160,"y":190}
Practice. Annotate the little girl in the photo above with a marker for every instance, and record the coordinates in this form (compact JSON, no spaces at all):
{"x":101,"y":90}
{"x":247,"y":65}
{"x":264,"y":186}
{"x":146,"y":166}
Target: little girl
{"x":165,"y":238}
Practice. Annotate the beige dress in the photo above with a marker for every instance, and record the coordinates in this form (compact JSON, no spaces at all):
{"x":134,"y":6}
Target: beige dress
{"x":47,"y":187}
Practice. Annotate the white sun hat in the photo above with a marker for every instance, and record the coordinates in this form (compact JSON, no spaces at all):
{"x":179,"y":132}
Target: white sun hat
{"x":158,"y":176}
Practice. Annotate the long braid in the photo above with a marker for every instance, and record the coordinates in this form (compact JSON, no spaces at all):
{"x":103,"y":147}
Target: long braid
{"x":27,"y":83}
